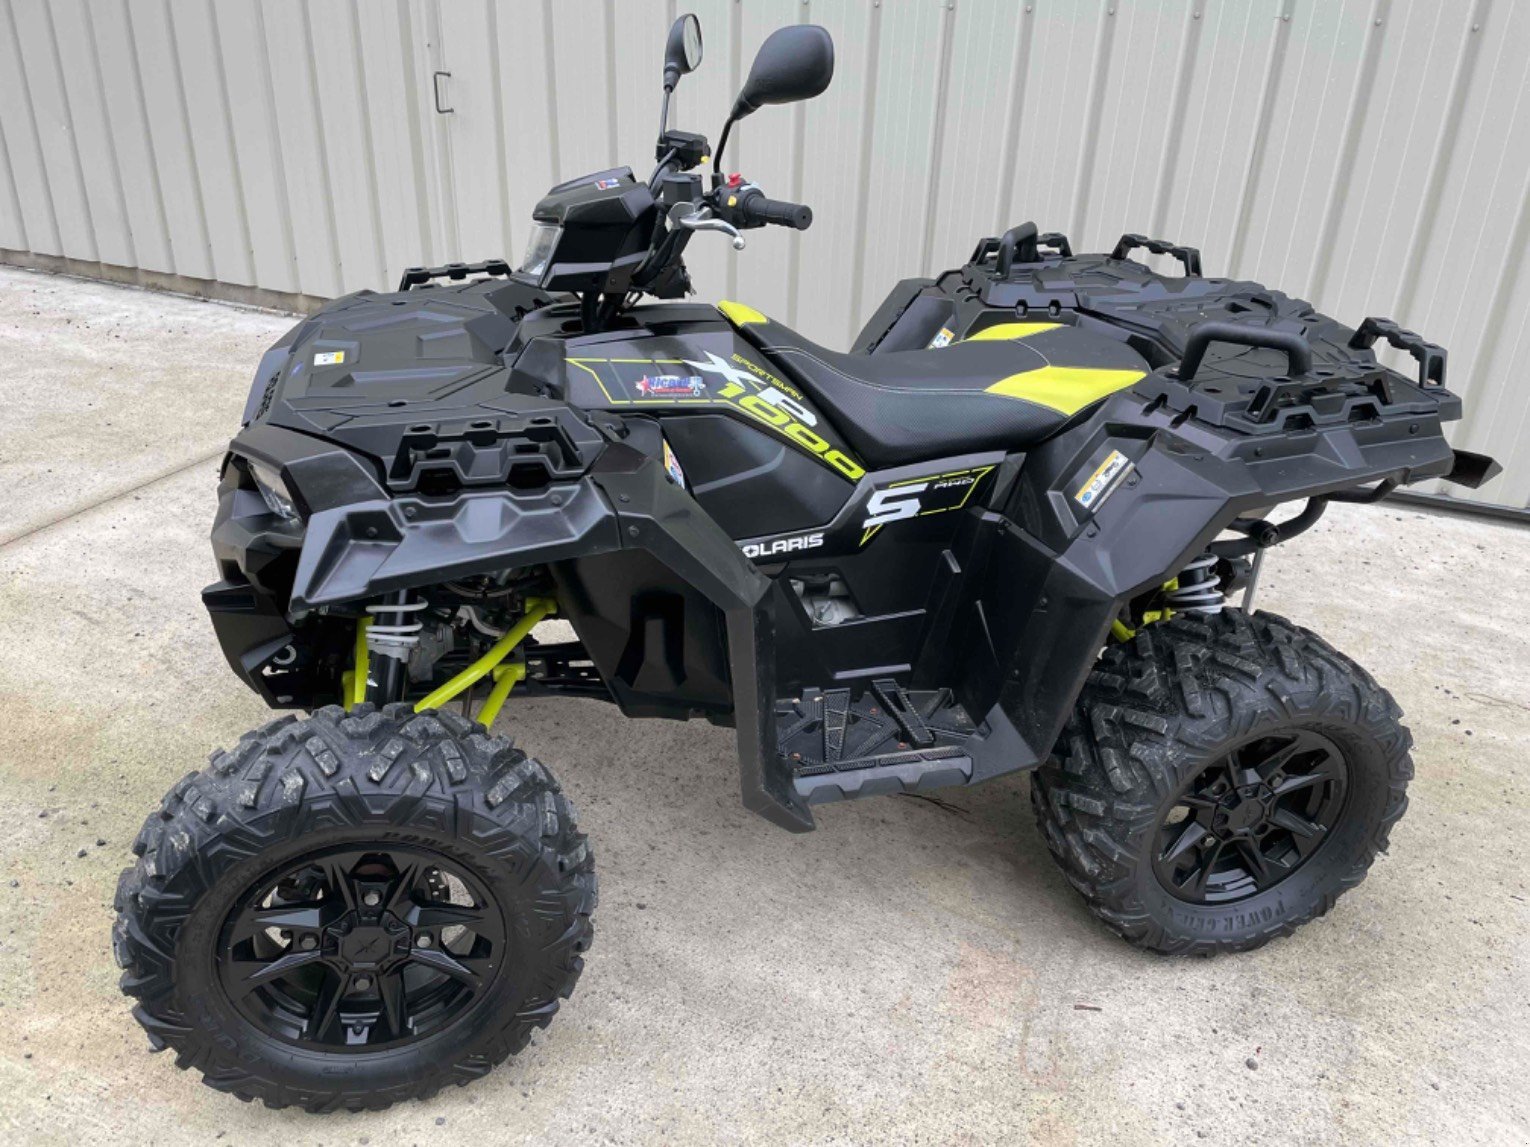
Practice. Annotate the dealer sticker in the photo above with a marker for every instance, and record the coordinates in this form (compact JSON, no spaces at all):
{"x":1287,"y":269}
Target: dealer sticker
{"x":672,"y":465}
{"x":942,"y":339}
{"x":1103,"y":482}
{"x":329,"y":358}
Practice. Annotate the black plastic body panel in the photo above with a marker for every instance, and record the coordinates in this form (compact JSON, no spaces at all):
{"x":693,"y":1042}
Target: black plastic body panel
{"x":453,"y":431}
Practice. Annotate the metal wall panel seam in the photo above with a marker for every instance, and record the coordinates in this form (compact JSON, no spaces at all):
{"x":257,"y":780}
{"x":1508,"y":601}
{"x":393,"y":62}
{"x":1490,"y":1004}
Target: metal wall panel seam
{"x":368,"y":146}
{"x":863,"y":166}
{"x":501,"y":156}
{"x":1184,"y":79}
{"x":31,"y":116}
{"x":1094,"y":106}
{"x":241,"y":209}
{"x":413,"y":110}
{"x":191,"y":152}
{"x":735,"y":81}
{"x":311,"y":78}
{"x":429,"y":55}
{"x":73,"y":134}
{"x":1253,"y":167}
{"x":613,"y":135}
{"x":552,"y":92}
{"x":1349,"y":143}
{"x":1440,"y":160}
{"x":1504,"y":284}
{"x":135,"y":68}
{"x":94,"y":48}
{"x":262,"y":49}
{"x":937,"y":130}
{"x":1014,"y":109}
{"x":8,"y":176}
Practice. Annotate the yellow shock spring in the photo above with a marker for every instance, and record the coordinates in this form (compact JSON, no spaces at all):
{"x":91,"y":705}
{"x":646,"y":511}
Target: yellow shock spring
{"x":1123,"y":632}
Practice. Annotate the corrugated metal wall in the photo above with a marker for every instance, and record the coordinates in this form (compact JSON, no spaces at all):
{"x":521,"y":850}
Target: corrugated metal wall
{"x":1371,"y":155}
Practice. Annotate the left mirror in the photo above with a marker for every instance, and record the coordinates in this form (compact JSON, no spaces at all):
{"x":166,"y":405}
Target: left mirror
{"x":682,"y":52}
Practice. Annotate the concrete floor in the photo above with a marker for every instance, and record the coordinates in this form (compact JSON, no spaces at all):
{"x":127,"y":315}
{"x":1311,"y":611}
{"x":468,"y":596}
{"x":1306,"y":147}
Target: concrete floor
{"x":911,"y":972}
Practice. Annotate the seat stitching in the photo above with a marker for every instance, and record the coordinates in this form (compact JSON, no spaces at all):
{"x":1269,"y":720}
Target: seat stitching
{"x":900,"y":389}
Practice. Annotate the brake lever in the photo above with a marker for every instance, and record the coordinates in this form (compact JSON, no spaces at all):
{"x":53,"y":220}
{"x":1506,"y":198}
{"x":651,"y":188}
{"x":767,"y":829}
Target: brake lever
{"x":694,"y":218}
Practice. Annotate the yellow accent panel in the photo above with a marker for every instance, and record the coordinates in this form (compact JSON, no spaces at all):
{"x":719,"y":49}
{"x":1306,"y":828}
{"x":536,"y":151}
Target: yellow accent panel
{"x":1065,"y":389}
{"x":738,"y":314}
{"x":1011,"y":331}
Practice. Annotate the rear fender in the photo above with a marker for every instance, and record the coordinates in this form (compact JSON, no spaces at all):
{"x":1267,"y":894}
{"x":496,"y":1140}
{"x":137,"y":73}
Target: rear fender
{"x":1062,"y":560}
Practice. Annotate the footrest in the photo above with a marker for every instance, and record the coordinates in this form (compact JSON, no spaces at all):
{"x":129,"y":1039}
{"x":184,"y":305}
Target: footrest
{"x":889,"y":739}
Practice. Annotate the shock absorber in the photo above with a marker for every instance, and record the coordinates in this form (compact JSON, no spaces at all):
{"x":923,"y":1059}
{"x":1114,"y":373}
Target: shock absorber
{"x":392,"y":636}
{"x":1198,"y":589}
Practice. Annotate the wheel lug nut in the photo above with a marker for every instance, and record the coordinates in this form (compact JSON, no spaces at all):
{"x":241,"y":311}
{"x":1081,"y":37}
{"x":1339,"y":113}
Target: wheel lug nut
{"x":308,"y":942}
{"x":423,"y":940}
{"x":372,"y":899}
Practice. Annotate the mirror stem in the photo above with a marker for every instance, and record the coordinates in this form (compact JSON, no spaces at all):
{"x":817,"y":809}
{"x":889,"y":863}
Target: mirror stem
{"x":717,"y":153}
{"x":664,"y":112}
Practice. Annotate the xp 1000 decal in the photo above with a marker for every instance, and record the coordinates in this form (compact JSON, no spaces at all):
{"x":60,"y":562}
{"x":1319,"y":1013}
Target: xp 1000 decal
{"x":733,"y":382}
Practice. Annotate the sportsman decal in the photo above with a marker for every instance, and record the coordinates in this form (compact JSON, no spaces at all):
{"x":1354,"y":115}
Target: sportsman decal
{"x":774,"y":394}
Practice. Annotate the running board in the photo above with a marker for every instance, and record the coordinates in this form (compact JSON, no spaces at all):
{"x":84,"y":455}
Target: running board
{"x":888,"y":740}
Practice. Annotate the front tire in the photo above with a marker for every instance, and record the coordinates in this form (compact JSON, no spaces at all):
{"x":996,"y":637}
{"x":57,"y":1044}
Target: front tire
{"x":1222,"y":781}
{"x":354,"y":909}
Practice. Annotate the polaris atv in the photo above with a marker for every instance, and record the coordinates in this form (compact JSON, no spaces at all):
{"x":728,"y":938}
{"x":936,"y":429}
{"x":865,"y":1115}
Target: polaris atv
{"x":998,"y":535}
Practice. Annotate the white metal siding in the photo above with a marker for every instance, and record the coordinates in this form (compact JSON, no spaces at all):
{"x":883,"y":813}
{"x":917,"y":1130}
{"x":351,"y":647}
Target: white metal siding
{"x":1371,"y":155}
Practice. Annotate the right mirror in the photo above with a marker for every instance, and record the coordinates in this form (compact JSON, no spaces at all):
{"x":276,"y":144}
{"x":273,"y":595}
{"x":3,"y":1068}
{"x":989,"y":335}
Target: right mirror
{"x":794,"y":63}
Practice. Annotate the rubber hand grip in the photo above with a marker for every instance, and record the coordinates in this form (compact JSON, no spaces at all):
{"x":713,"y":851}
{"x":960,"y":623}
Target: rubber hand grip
{"x":757,"y":209}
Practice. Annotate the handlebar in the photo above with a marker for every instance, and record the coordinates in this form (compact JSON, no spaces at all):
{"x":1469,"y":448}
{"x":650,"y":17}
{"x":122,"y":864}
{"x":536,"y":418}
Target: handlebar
{"x":755,"y":209}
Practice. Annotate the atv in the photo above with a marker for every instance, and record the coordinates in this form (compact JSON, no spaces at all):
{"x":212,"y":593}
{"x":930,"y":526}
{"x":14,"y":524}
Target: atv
{"x":1000,"y":534}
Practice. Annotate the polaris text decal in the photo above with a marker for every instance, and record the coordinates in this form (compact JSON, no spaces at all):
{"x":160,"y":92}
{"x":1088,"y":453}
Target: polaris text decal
{"x":782,"y":546}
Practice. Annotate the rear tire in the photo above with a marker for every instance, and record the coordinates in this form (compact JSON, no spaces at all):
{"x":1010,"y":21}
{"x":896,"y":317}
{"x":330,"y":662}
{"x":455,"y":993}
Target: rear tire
{"x":1160,"y":806}
{"x":426,"y":818}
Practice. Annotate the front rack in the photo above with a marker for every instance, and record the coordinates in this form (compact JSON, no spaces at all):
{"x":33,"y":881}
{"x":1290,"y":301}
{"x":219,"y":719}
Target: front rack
{"x":456,"y":272}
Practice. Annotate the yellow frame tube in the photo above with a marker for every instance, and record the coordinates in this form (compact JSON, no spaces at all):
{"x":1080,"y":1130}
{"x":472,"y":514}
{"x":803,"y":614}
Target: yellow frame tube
{"x":353,"y":685}
{"x":506,"y":677}
{"x":536,"y":610}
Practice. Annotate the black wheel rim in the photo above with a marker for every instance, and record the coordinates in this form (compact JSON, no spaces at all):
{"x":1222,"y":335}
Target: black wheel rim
{"x":359,"y":949}
{"x":1251,"y":818}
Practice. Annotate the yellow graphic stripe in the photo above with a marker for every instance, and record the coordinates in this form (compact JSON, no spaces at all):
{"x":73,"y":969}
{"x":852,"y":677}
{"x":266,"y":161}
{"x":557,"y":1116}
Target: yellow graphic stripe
{"x":1011,"y":331}
{"x":1065,"y":389}
{"x":739,"y":314}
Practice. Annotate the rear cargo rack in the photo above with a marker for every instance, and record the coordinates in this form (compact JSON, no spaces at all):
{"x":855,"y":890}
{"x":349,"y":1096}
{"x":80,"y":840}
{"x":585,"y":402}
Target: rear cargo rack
{"x":1189,"y":257}
{"x":1429,"y":356}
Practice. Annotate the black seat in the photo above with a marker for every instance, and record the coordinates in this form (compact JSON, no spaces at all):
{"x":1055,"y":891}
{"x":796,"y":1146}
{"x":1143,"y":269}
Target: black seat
{"x":1009,"y":387}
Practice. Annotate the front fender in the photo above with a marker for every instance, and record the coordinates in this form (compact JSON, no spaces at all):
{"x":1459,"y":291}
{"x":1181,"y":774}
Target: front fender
{"x":364,"y":549}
